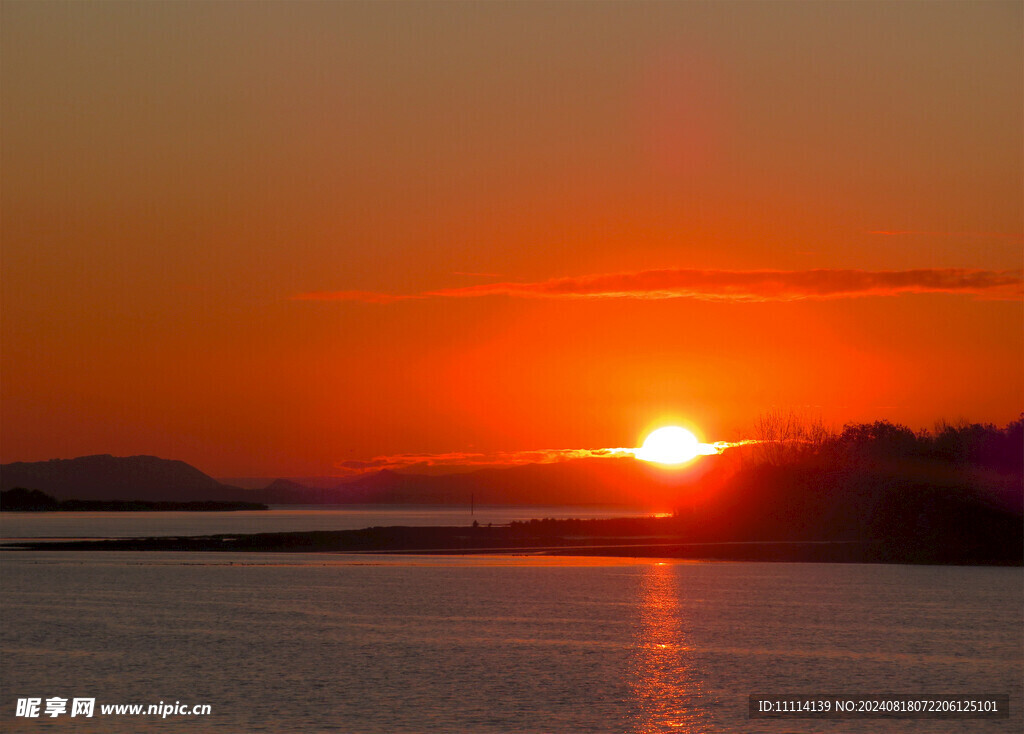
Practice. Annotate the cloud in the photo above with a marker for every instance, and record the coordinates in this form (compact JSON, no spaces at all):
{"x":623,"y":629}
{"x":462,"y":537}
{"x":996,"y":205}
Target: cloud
{"x":464,"y":460}
{"x":362,"y":466}
{"x":748,"y":286}
{"x":479,"y":460}
{"x":931,"y":233}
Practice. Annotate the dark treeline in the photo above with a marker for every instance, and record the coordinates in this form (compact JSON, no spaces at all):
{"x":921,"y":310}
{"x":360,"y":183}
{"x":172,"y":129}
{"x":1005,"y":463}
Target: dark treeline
{"x":786,"y":440}
{"x":874,"y":492}
{"x":952,"y":495}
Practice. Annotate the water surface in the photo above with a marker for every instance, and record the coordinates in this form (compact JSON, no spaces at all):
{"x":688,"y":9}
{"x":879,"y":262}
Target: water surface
{"x":305,"y":643}
{"x":282,"y":519}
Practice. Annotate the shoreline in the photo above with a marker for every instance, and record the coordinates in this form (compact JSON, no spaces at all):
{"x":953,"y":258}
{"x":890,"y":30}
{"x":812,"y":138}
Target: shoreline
{"x":557,"y":538}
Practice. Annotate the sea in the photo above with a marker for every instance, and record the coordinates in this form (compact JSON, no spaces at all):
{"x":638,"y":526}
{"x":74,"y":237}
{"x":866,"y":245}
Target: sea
{"x":491,"y":644}
{"x":280,"y":519}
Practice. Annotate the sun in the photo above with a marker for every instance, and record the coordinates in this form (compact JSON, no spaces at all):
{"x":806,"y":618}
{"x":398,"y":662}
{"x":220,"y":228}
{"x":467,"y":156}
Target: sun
{"x":669,"y":445}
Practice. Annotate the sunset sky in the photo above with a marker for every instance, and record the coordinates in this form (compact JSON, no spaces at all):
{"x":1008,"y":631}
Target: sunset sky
{"x":271,"y":238}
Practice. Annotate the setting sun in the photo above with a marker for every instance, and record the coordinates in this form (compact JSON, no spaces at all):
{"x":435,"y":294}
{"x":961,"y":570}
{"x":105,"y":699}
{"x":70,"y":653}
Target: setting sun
{"x":669,"y":445}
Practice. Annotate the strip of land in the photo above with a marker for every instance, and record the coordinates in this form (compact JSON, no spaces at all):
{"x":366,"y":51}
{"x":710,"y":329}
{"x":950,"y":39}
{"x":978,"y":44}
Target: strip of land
{"x":629,"y":537}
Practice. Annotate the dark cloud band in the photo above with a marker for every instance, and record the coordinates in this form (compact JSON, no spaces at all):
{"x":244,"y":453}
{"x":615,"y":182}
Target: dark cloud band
{"x":731,"y":285}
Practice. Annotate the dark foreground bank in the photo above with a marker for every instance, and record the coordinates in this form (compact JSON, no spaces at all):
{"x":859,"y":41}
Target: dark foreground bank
{"x":631,"y":537}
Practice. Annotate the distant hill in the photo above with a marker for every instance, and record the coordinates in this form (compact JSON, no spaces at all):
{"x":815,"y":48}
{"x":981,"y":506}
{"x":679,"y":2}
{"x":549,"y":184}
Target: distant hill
{"x":105,"y":477}
{"x":606,"y":481}
{"x":625,"y":482}
{"x":287,"y":492}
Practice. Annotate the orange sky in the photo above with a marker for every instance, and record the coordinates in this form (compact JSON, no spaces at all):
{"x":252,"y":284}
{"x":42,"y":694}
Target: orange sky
{"x":180,"y":177}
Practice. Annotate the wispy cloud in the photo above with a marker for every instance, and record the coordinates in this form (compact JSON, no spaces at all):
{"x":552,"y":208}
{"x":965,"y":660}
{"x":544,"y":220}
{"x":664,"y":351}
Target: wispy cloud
{"x":480,"y":460}
{"x":465,"y":460}
{"x":939,"y":233}
{"x":731,"y":285}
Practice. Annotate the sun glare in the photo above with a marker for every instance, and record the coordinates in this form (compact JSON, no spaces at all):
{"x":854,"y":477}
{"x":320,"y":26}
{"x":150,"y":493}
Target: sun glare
{"x":669,"y":445}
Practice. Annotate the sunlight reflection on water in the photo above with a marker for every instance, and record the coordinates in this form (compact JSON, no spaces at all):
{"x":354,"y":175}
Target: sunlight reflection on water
{"x":666,"y":687}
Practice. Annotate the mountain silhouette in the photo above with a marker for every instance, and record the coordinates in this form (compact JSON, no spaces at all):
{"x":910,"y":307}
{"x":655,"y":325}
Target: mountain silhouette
{"x":624,"y":482}
{"x":594,"y":481}
{"x":106,"y":477}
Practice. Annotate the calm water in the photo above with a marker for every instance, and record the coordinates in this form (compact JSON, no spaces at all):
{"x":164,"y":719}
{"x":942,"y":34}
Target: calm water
{"x":310,"y":643}
{"x":276,"y":520}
